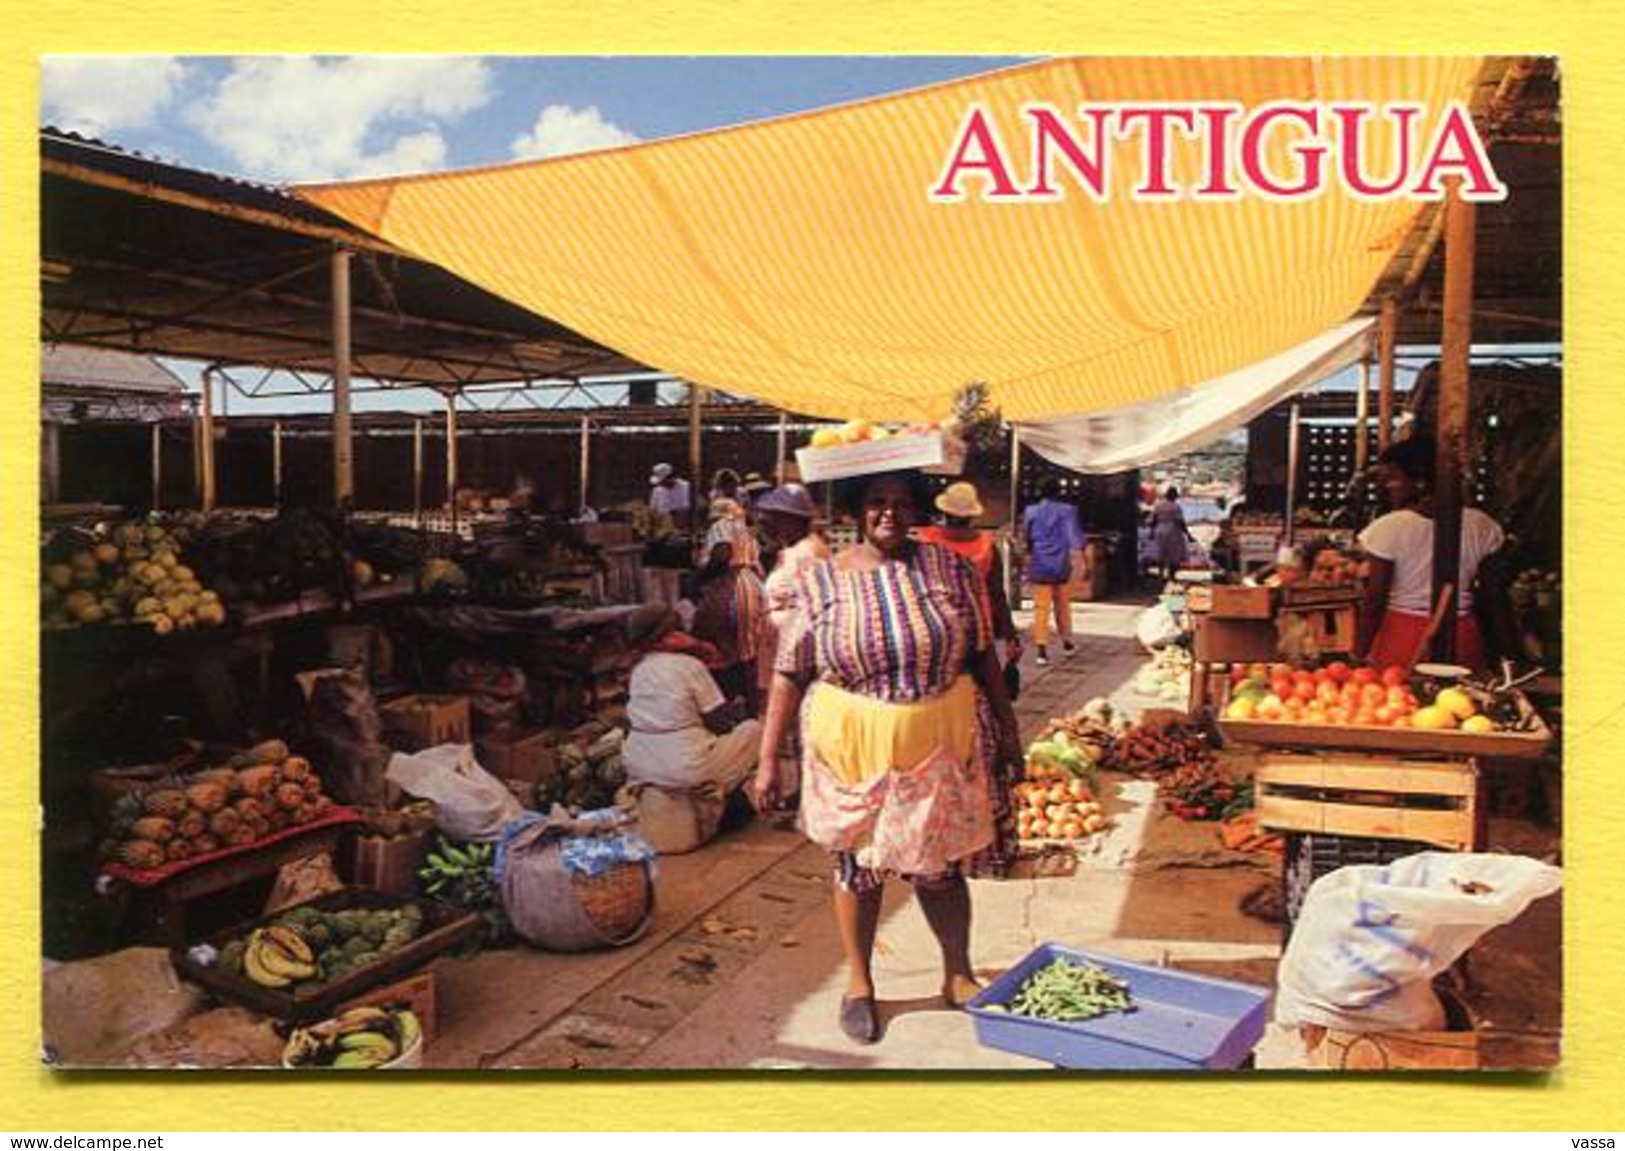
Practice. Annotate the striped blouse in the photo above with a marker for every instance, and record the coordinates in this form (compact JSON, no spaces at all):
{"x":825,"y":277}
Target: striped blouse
{"x":898,"y":633}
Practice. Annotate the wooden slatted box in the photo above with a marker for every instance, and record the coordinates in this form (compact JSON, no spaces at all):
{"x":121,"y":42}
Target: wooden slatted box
{"x":1381,"y":797}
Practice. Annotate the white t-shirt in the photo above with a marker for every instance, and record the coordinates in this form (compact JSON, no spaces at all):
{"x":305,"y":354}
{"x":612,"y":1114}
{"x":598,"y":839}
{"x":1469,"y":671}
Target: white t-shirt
{"x":669,"y":500}
{"x":1405,"y":539}
{"x":668,"y":697}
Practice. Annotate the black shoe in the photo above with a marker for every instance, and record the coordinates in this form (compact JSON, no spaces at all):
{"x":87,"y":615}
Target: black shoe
{"x":859,"y":1020}
{"x":1068,"y":646}
{"x":1042,"y":659}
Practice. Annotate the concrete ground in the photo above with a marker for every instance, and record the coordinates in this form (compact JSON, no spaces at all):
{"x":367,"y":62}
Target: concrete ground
{"x":742,"y":967}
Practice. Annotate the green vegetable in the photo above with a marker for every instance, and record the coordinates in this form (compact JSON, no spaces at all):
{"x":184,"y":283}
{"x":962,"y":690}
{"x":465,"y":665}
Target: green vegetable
{"x":1070,"y":993}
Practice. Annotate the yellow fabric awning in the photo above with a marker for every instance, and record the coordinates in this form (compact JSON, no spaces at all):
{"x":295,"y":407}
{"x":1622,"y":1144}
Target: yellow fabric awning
{"x":800,"y":261}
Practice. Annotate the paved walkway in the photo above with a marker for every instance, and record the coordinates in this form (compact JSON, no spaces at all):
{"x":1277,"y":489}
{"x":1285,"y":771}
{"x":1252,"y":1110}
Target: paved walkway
{"x":742,"y":967}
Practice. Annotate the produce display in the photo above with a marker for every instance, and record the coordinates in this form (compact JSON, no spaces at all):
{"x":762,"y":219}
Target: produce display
{"x":1167,"y":675}
{"x":1056,"y":757}
{"x":359,"y":1039}
{"x":1339,"y":694}
{"x":590,"y":771}
{"x":463,"y":876}
{"x":258,"y":793}
{"x":1155,"y":748}
{"x":128,"y":573}
{"x":1089,"y":731}
{"x":1203,"y":791}
{"x":866,"y":431}
{"x":396,"y":822}
{"x":307,"y":947}
{"x":1069,"y":993}
{"x":1057,"y":810}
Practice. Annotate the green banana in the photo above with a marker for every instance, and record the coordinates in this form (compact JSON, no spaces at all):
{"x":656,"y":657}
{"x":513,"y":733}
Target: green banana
{"x":367,"y":1041}
{"x":360,"y":1060}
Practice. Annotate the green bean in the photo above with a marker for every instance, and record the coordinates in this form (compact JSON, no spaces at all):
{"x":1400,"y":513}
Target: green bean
{"x":1070,"y":993}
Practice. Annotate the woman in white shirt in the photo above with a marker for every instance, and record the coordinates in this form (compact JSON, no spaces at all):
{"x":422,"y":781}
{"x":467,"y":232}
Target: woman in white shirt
{"x":1399,"y":590}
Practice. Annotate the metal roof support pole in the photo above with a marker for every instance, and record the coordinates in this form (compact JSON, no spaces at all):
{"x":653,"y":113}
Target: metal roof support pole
{"x":782,"y":450}
{"x":586,"y":462}
{"x":1387,"y":329}
{"x":451,"y":455}
{"x":1455,"y":348}
{"x":417,"y":472}
{"x":157,"y":453}
{"x":206,"y":441}
{"x":276,"y":464}
{"x":343,"y":449}
{"x":1294,"y":443}
{"x":1362,"y":416}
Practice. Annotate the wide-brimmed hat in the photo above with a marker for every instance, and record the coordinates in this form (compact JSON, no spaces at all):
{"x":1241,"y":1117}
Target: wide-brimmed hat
{"x":661,"y":473}
{"x":754,"y":483}
{"x":789,"y":500}
{"x":960,"y":501}
{"x":649,"y":621}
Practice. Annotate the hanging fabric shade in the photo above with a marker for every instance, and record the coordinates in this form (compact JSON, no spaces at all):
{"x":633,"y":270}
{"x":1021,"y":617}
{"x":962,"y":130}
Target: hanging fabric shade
{"x":801,"y":261}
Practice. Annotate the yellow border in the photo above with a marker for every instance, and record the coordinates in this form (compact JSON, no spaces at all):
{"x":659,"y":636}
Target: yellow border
{"x":1575,"y":1099}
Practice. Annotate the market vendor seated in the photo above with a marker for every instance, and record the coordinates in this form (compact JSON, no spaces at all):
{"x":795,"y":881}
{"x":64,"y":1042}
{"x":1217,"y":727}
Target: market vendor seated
{"x":685,"y":734}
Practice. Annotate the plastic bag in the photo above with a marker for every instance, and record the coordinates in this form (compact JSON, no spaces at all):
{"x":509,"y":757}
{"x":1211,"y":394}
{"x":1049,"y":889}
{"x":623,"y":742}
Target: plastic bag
{"x":1369,"y":940}
{"x":1157,"y":627}
{"x":470,"y":804}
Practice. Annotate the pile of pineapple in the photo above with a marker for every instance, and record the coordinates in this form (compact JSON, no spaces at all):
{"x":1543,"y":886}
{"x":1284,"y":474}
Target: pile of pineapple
{"x":128,"y":573}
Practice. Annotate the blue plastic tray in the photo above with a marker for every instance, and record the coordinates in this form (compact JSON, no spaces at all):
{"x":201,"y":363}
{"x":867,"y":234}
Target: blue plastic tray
{"x":1183,"y":1022}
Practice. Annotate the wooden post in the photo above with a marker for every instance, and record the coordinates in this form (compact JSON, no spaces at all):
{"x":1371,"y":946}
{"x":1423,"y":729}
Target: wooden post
{"x":417,"y":470}
{"x":51,"y":461}
{"x":1015,"y":473}
{"x":206,"y":442}
{"x":1386,"y":331}
{"x":343,"y":459}
{"x":696,"y":493}
{"x":451,"y":455}
{"x":781,"y":457}
{"x":1450,"y":434}
{"x":586,"y":462}
{"x":276,"y":463}
{"x":157,"y":453}
{"x":1294,"y":436}
{"x":1362,"y":416}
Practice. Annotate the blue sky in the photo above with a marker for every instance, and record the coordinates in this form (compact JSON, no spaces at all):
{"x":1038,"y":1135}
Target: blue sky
{"x":315,"y":118}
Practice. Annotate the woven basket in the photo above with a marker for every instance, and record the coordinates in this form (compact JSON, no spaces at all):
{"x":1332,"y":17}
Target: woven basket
{"x":618,"y":902}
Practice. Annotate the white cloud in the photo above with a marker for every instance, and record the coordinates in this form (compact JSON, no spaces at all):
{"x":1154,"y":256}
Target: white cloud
{"x":311,"y":118}
{"x":561,"y":130}
{"x":102,"y":95}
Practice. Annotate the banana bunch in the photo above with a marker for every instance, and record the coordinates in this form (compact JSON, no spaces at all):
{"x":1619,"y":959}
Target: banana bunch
{"x":360,"y":1038}
{"x":278,"y":956}
{"x":451,"y":865}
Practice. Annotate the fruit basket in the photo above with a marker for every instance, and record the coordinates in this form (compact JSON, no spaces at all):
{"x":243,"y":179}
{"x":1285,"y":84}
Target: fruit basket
{"x":1408,"y":740}
{"x":1180,"y":1022}
{"x":443,"y":928}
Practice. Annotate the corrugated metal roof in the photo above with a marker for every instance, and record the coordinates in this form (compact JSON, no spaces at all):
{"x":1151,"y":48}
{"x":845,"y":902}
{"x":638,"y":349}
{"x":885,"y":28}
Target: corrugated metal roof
{"x":74,"y":366}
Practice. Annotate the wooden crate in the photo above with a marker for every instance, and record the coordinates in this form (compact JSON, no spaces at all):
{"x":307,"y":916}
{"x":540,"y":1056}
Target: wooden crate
{"x":414,"y":722}
{"x":1235,"y":640}
{"x":415,"y":992}
{"x":1380,"y":797}
{"x":531,"y":756}
{"x":387,"y":864}
{"x":1232,"y":602}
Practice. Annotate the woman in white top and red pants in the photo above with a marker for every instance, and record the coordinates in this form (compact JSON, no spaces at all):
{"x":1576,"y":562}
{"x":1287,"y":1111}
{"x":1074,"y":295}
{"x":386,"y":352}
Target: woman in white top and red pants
{"x":1399,"y":590}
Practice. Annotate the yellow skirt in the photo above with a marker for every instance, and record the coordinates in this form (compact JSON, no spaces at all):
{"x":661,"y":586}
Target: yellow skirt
{"x":857,"y":738}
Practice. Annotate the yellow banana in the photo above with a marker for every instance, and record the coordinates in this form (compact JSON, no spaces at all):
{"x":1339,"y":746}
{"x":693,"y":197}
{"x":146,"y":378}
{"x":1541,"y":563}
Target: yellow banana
{"x":363,"y":1019}
{"x":274,"y":960}
{"x":407,"y":1029}
{"x":255,"y":969}
{"x":368,"y":1041}
{"x":290,"y":943}
{"x":360,"y":1060}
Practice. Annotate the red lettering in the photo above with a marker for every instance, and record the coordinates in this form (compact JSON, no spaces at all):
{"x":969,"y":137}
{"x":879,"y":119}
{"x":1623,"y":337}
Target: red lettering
{"x":1455,"y":147}
{"x":988,"y":160}
{"x":1050,"y":130}
{"x":1218,"y":117}
{"x":1157,"y":120}
{"x":1349,"y":117}
{"x":1310,"y":156}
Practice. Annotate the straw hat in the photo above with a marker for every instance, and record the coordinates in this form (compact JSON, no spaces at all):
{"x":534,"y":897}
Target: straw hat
{"x":789,"y":500}
{"x":960,"y":501}
{"x":660,"y":474}
{"x":753,"y":483}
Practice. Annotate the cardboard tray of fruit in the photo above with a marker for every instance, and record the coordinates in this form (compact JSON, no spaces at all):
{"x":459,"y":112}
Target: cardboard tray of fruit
{"x":441,"y":929}
{"x":867,"y":452}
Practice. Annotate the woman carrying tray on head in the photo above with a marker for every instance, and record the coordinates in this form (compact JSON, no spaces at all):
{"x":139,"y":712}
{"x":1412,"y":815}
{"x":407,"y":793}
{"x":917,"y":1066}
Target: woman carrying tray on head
{"x":904,"y":720}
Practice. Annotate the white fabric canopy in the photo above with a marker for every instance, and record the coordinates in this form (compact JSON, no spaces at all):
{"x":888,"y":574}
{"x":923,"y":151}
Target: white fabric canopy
{"x":1147,"y":433}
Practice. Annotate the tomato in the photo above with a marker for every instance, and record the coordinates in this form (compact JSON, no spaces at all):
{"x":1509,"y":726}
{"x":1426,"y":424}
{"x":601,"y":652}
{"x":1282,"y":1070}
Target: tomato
{"x":1364,"y":675}
{"x":1365,"y":718}
{"x":1372,"y":694}
{"x":1337,"y":716}
{"x":1384,"y":716}
{"x":1304,"y":690}
{"x":1281,"y":686}
{"x":1394,"y":676}
{"x":1326,"y":692}
{"x":1339,"y":670}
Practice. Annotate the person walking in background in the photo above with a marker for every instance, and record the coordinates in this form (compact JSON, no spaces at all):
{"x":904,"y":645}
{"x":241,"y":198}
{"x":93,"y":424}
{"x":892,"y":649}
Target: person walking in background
{"x":961,"y":506}
{"x":1170,"y":538}
{"x":668,"y":493}
{"x":1052,"y":533}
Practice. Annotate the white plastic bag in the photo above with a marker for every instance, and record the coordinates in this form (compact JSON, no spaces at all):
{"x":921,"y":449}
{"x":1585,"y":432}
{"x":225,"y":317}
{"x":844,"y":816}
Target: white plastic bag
{"x":1370,"y":939}
{"x":470,"y":804}
{"x":1156,"y":627}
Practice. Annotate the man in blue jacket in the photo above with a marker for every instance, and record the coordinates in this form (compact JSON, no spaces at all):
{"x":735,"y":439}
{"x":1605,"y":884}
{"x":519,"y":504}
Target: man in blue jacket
{"x":1053,"y":533}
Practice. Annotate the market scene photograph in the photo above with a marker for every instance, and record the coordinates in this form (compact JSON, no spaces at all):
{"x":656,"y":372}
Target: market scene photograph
{"x":801,"y":563}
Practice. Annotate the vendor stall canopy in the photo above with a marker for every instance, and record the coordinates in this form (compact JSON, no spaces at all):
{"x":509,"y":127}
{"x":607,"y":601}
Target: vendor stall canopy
{"x":801,"y":261}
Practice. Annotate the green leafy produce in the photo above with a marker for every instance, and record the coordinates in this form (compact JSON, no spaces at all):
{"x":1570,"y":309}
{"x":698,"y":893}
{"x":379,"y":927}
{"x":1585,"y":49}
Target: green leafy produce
{"x":1070,"y":993}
